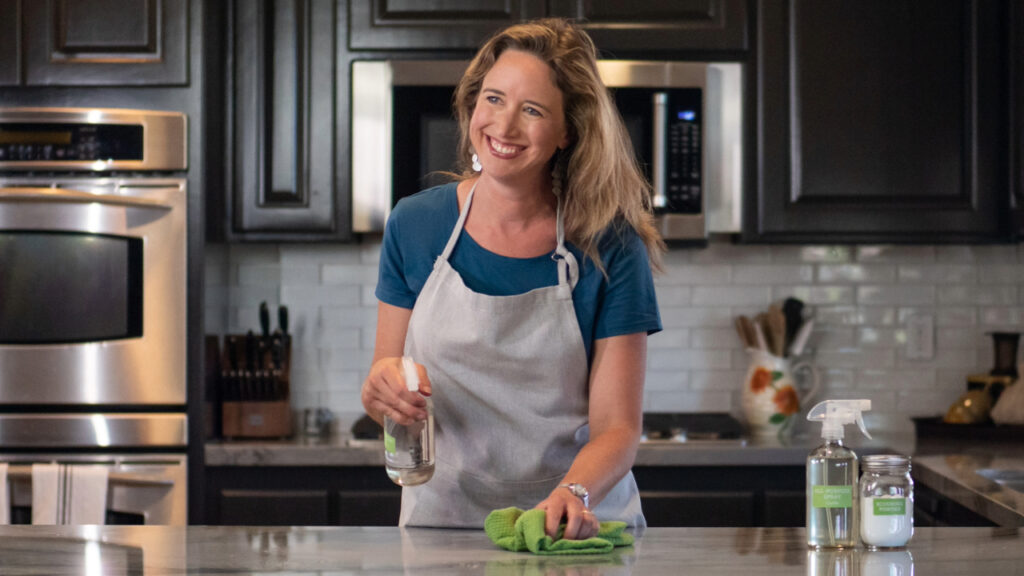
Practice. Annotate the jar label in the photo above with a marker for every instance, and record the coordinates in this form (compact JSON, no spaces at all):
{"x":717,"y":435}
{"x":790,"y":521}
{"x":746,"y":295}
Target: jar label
{"x":890,"y":506}
{"x":832,"y":496}
{"x":389,"y":443}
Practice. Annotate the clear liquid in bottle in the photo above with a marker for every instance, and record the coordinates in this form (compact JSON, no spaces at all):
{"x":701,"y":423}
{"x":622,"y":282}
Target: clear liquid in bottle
{"x":409,"y":450}
{"x":832,"y":511}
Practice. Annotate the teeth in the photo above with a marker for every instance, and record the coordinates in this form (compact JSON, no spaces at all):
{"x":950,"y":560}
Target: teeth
{"x":503,"y":149}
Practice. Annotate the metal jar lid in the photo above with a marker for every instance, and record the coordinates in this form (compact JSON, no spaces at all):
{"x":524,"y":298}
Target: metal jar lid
{"x":876,"y":461}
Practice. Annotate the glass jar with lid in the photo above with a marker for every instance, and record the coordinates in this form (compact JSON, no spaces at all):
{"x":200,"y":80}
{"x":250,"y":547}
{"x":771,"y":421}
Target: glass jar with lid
{"x":886,"y":501}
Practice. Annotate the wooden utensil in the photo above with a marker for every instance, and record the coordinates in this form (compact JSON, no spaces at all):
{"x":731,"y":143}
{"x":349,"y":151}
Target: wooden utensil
{"x":777,"y":321}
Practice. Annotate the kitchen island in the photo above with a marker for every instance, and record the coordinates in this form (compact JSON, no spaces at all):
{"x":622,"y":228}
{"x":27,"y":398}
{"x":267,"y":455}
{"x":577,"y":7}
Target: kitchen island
{"x":152,"y":550}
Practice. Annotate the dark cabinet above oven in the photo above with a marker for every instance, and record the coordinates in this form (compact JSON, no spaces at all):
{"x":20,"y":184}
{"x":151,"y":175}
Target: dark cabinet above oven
{"x":616,"y":26}
{"x":282,"y":179}
{"x":94,"y":42}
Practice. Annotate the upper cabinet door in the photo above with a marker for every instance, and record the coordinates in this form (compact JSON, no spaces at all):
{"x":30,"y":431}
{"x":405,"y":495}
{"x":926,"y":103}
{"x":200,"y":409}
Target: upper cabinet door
{"x":433,"y":24}
{"x":879,"y":121}
{"x":10,"y":42}
{"x":284,"y":121}
{"x":105,"y":42}
{"x":660,"y":25}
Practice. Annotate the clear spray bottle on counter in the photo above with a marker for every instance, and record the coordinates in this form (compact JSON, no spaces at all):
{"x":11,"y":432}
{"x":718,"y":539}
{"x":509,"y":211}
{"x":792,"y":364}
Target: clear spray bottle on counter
{"x":832,"y":476}
{"x":409,"y":450}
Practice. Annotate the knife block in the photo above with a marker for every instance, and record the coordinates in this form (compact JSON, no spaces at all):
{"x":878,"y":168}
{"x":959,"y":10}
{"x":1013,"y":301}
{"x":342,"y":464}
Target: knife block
{"x":255,"y":387}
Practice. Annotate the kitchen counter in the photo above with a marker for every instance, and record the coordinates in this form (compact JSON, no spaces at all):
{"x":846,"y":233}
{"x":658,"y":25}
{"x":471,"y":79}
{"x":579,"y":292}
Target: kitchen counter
{"x":343,"y":450}
{"x":151,"y":550}
{"x":955,"y":476}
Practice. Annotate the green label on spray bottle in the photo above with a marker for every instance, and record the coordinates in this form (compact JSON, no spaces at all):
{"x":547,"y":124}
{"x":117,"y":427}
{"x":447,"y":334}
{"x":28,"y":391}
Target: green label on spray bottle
{"x":832,"y":496}
{"x":389,"y":443}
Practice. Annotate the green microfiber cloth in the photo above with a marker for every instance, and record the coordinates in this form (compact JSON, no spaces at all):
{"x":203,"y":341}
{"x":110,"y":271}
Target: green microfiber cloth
{"x":515,"y":530}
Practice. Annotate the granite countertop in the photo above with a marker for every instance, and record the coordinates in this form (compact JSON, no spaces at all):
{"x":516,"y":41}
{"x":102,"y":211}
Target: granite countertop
{"x":151,"y":550}
{"x":341,"y":449}
{"x":955,"y":476}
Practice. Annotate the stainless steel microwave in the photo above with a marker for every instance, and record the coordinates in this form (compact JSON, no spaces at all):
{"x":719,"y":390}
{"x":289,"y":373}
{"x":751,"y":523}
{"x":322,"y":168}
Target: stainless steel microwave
{"x":684,"y":119}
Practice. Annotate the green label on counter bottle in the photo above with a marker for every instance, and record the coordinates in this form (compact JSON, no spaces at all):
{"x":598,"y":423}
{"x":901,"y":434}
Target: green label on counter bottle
{"x":890,"y":506}
{"x":832,"y":496}
{"x":389,"y":443}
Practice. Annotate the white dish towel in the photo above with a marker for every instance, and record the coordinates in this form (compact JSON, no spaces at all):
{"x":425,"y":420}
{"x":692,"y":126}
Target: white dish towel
{"x":69,"y":494}
{"x":5,"y":499}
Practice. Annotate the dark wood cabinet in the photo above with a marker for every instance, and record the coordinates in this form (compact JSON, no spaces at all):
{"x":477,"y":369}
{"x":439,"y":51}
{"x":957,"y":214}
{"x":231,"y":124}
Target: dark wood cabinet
{"x":734,"y":496}
{"x":10,"y":42}
{"x":879,"y":121}
{"x":94,"y":42}
{"x":301,"y":496}
{"x":1016,"y":126}
{"x":283,"y":177}
{"x":616,"y":26}
{"x":932,"y":509}
{"x":432,"y":24}
{"x":660,"y":25}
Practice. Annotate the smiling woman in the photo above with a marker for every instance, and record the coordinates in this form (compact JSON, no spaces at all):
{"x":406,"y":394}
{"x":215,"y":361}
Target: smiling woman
{"x":524,"y":292}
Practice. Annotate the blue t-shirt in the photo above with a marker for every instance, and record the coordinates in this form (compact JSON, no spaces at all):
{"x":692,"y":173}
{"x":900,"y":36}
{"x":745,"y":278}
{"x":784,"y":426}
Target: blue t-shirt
{"x":419,"y":228}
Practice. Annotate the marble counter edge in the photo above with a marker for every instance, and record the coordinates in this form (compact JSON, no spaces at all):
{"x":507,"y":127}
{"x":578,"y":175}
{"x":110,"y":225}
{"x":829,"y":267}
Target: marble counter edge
{"x":953,"y":476}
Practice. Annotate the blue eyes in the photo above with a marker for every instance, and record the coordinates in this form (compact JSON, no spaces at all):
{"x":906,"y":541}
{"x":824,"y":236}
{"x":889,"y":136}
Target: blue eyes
{"x":528,"y":109}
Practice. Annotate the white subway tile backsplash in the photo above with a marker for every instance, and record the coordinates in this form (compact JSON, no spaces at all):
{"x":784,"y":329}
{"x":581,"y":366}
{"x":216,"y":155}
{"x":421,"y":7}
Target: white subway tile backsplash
{"x":669,"y":296}
{"x":772,"y":274}
{"x":713,"y":338}
{"x":360,"y":274}
{"x":895,"y":294}
{"x":856,"y":273}
{"x":859,"y":296}
{"x":978,"y":295}
{"x":937,"y":274}
{"x":895,"y":254}
{"x":692,"y":274}
{"x":732,"y":295}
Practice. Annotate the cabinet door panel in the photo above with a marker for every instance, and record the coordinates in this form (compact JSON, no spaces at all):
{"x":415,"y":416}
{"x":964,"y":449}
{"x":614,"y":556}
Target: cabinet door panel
{"x":274,"y":507}
{"x":369,"y":507}
{"x":284,"y":117}
{"x":434,"y":24}
{"x":10,"y":42}
{"x":1017,"y":113}
{"x":879,"y":120}
{"x":700,"y":509}
{"x":666,"y":25}
{"x":106,"y":42}
{"x":785,"y":508}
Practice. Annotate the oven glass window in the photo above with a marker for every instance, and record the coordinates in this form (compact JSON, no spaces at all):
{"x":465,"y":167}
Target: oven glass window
{"x":69,"y":287}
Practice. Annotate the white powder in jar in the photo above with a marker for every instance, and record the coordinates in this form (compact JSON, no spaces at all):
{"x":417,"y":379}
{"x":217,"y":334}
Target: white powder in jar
{"x":886,"y":522}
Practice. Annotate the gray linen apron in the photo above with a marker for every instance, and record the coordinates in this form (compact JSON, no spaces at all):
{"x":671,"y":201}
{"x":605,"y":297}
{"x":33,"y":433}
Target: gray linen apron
{"x":510,"y":378}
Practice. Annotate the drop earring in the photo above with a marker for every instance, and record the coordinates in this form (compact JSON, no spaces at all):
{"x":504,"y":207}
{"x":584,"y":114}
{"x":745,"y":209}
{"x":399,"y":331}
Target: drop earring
{"x":477,"y":167}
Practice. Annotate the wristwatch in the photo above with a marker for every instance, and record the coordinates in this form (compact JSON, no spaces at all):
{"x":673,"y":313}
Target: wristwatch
{"x":580,"y":491}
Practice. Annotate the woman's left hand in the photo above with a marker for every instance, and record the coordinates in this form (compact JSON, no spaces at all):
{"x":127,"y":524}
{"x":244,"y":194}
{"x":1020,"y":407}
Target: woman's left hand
{"x":580,"y":523}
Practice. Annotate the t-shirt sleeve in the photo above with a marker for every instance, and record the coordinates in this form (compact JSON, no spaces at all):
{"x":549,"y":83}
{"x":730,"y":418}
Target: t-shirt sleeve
{"x":628,"y":303}
{"x":392,"y":284}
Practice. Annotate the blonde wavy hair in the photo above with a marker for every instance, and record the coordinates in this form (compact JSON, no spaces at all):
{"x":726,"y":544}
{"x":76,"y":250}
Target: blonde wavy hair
{"x":601,"y":182}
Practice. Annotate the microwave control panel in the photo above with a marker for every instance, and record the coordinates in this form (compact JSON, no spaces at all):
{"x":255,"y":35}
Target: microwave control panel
{"x":683,"y":176}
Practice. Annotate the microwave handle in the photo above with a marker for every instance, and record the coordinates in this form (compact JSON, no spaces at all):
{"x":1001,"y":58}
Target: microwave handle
{"x":659,"y":103}
{"x":76,"y":196}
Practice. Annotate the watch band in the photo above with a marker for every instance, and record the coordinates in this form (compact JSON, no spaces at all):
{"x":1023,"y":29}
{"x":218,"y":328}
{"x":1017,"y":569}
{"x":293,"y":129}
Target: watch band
{"x":580,"y":491}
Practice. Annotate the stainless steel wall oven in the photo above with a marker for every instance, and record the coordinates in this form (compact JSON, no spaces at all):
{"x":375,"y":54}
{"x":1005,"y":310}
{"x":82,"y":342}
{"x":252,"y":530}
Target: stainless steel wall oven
{"x":93,"y":235}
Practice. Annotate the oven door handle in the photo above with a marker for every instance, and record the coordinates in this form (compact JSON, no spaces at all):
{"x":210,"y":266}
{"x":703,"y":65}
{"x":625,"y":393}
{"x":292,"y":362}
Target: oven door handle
{"x":24,"y":472}
{"x":76,"y":196}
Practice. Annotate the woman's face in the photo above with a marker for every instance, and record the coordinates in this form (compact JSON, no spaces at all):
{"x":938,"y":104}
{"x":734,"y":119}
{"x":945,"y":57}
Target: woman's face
{"x":519,"y":121}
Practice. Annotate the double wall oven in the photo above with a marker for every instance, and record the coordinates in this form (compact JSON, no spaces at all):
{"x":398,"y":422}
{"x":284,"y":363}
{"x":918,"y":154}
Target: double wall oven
{"x":93,"y":303}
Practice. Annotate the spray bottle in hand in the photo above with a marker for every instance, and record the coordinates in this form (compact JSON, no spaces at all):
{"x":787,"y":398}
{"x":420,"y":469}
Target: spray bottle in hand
{"x":832,"y":475}
{"x":409,"y":450}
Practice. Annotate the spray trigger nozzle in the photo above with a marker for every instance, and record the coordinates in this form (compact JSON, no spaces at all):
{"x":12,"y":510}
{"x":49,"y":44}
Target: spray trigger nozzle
{"x":834,"y":414}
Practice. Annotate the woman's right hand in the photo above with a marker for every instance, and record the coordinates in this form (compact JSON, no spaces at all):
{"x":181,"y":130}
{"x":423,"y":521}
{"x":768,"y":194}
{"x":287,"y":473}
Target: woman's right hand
{"x":385,"y":394}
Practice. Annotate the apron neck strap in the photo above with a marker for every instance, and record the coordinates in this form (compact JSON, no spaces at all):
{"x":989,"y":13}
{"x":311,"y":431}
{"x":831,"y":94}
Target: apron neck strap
{"x":568,"y":268}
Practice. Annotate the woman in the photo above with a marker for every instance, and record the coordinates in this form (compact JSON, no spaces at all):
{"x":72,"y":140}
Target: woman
{"x":527,"y":314}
